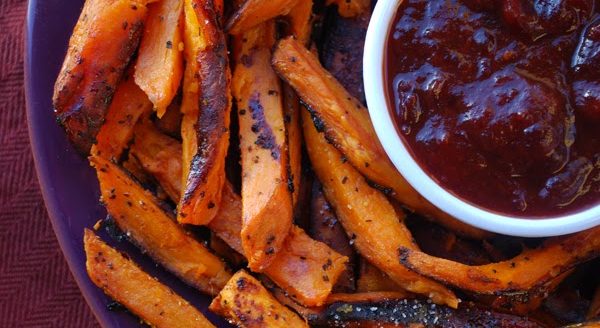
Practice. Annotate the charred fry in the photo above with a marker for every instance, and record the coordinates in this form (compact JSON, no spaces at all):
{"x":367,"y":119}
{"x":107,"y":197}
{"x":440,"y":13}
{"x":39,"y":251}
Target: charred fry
{"x":255,"y":12}
{"x":159,"y":65}
{"x":105,"y":37}
{"x":413,"y":313}
{"x":245,"y":301}
{"x":532,"y":269}
{"x":191,"y":84}
{"x":202,"y":196}
{"x":266,"y":197}
{"x":139,"y":215}
{"x":143,"y":295}
{"x":128,"y":105}
{"x":347,"y":125}
{"x":367,"y":216}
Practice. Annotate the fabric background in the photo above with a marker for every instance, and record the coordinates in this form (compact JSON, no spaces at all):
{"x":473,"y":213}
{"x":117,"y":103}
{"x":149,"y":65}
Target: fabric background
{"x":36,"y":286}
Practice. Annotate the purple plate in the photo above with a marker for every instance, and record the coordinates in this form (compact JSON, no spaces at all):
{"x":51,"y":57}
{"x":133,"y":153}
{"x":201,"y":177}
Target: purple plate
{"x":68,"y":183}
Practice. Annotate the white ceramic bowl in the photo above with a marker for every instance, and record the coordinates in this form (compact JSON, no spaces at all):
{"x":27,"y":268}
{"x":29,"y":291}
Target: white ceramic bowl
{"x":374,"y":67}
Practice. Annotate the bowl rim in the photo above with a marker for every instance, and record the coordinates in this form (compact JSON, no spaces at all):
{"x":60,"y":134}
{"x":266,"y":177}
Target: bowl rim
{"x":373,"y":74}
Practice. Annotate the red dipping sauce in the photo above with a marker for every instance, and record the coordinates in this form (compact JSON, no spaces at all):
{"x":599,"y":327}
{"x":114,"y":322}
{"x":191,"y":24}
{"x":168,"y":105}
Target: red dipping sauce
{"x":499,"y":101}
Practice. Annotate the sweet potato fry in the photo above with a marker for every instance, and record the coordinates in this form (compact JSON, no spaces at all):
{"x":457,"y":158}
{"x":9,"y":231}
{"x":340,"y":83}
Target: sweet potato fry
{"x":325,"y":227}
{"x":159,"y":65}
{"x":105,"y":37}
{"x":304,"y":257}
{"x":248,"y":304}
{"x":370,"y":279}
{"x":587,"y":324}
{"x":255,"y":12}
{"x":300,"y":26}
{"x":191,"y":84}
{"x":300,"y":256}
{"x":154,"y":150}
{"x":351,"y":8}
{"x":138,"y":214}
{"x":266,"y":197}
{"x":414,"y":313}
{"x":300,"y":21}
{"x":128,"y":105}
{"x":291,"y":109}
{"x":347,"y":125}
{"x":202,"y":195}
{"x":141,"y":294}
{"x":367,"y":216}
{"x":533,"y":269}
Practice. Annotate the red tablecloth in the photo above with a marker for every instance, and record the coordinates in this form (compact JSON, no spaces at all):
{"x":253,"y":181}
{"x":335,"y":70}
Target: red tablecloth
{"x":36,"y":286}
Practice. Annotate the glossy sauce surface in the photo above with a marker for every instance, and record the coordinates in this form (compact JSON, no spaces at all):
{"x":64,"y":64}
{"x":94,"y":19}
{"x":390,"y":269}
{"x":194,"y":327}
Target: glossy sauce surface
{"x":499,"y":101}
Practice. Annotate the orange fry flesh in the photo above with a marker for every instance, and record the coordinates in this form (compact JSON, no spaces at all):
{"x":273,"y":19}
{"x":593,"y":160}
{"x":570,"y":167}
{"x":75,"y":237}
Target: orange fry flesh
{"x":143,"y":295}
{"x":368,"y":217}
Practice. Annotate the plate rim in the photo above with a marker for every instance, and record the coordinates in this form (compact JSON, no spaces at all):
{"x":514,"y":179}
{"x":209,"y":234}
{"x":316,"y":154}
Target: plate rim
{"x":58,"y":226}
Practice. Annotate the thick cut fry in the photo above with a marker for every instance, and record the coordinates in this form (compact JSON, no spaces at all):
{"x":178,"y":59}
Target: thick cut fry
{"x":318,"y":265}
{"x":300,"y":21}
{"x":266,"y":197}
{"x":202,"y":196}
{"x":138,"y":214}
{"x":128,"y":105}
{"x":159,"y":65}
{"x":325,"y":227}
{"x":370,"y":279}
{"x":414,"y":313}
{"x":301,"y":256}
{"x":248,"y":304}
{"x":304,"y":257}
{"x":255,"y":12}
{"x":154,"y":150}
{"x":368,"y":217}
{"x":347,"y":125}
{"x":531,"y":270}
{"x":191,"y":84}
{"x":141,"y":294}
{"x":351,"y":8}
{"x":105,"y":37}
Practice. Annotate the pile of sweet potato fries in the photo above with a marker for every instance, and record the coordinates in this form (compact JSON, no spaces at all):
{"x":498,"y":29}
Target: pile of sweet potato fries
{"x":248,"y":118}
